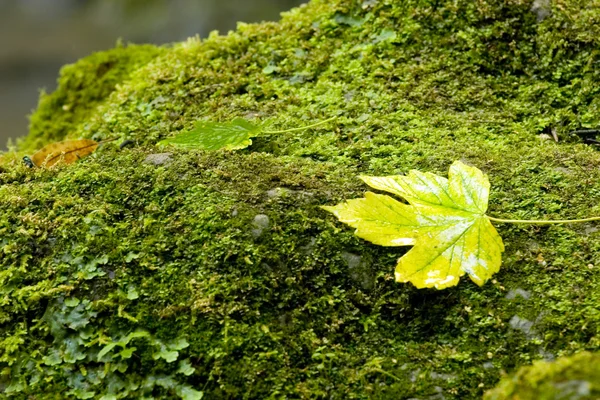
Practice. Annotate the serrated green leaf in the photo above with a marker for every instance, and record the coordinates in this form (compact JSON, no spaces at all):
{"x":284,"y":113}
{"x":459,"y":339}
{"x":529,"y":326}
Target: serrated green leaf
{"x":445,"y":220}
{"x":206,"y":135}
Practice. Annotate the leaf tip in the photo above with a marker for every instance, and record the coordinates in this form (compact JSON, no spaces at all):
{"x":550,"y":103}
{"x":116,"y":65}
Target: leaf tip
{"x":367,"y":179}
{"x":331,"y":209}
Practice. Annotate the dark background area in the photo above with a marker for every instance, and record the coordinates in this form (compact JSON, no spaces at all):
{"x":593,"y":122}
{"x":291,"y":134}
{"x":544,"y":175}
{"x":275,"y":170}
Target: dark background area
{"x":37,"y":37}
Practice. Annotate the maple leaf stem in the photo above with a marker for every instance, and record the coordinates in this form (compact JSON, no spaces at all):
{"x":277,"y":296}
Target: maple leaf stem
{"x":301,"y":128}
{"x":542,"y":222}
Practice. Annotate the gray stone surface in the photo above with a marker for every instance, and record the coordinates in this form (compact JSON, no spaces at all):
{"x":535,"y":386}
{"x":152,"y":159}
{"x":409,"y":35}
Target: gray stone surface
{"x":523,"y":325}
{"x":488,"y":365}
{"x":282,"y":193}
{"x":542,"y":9}
{"x":310,"y":246}
{"x":158,"y":159}
{"x":278,"y":192}
{"x":359,"y":270}
{"x":260,"y":223}
{"x":518,"y":292}
{"x":442,"y":376}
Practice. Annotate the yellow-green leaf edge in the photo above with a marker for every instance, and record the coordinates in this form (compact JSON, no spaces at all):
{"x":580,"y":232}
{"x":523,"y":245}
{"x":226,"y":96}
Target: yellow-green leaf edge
{"x":445,"y":222}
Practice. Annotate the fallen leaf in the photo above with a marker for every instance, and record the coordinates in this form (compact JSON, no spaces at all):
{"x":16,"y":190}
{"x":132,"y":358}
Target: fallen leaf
{"x":231,"y":135}
{"x":445,"y":221}
{"x":68,"y":151}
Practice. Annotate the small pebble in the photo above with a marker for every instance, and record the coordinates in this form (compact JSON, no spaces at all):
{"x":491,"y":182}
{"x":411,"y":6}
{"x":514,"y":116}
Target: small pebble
{"x":278,"y":192}
{"x":523,"y":325}
{"x":542,"y":9}
{"x":512,"y":294}
{"x":158,"y":159}
{"x":260,"y":223}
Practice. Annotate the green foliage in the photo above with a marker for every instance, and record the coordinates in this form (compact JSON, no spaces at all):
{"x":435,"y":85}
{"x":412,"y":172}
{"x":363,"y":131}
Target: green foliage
{"x":227,"y":135}
{"x":95,"y":364}
{"x":304,"y":308}
{"x":445,"y":221}
{"x":575,"y":378}
{"x":214,"y":136}
{"x":82,"y":87}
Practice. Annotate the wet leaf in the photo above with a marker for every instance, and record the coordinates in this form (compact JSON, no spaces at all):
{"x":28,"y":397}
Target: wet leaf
{"x":231,"y":135}
{"x":445,"y":221}
{"x":68,"y":152}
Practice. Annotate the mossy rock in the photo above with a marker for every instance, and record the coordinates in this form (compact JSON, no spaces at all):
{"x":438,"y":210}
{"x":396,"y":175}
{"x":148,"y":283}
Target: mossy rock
{"x":574,"y":378}
{"x":129,"y":276}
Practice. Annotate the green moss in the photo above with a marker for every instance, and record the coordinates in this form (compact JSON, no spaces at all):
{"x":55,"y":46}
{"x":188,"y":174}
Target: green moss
{"x":82,"y":87}
{"x":299,"y":307}
{"x":575,"y":377}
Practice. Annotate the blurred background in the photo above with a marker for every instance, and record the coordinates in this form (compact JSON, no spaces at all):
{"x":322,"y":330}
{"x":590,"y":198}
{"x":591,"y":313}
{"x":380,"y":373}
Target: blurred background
{"x":37,"y":37}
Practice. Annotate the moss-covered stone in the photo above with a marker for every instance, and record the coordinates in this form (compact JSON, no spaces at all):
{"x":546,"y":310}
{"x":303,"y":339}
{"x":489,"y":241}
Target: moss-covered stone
{"x":82,"y":87}
{"x":128,"y":278}
{"x":576,"y":377}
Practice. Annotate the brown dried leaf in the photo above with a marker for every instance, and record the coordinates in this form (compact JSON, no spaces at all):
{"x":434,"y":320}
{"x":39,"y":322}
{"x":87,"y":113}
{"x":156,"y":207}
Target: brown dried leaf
{"x":68,"y":151}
